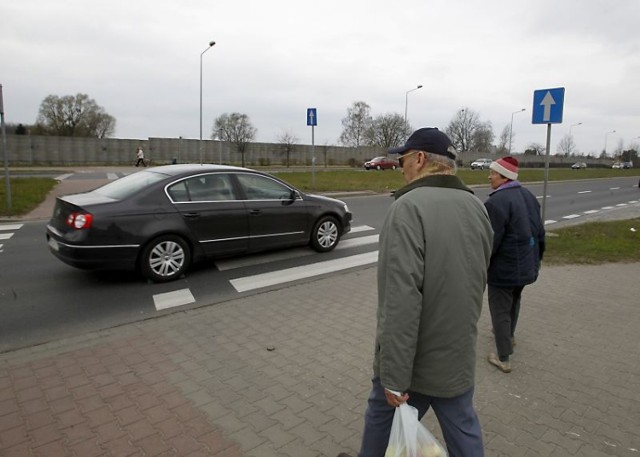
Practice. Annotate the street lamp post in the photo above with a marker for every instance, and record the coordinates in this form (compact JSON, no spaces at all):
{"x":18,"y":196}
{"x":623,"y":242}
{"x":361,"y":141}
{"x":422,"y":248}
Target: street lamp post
{"x":605,"y":141}
{"x":211,"y":43}
{"x":571,"y":137}
{"x":406,"y":103}
{"x":511,"y":127}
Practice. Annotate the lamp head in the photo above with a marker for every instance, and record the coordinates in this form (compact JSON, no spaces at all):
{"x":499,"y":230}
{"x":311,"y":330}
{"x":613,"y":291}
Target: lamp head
{"x":211,"y":43}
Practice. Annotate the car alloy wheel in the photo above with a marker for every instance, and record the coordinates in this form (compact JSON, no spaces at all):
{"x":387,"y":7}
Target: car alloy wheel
{"x":378,"y":167}
{"x":166,"y":258}
{"x":325,"y":235}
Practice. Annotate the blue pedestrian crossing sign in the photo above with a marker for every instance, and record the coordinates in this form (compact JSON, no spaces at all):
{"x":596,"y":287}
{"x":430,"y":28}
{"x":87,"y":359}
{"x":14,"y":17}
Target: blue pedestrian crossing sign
{"x":547,"y":106}
{"x":312,"y":116}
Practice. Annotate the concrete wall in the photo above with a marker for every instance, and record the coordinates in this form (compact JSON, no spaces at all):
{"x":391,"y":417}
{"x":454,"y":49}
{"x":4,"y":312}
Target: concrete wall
{"x":52,"y":150}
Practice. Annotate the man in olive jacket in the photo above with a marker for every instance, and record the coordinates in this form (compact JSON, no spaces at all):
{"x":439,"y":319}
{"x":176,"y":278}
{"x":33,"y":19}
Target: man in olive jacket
{"x":434,"y":251}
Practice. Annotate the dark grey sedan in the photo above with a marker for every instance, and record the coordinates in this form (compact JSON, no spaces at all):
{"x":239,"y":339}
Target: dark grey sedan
{"x":162,"y":219}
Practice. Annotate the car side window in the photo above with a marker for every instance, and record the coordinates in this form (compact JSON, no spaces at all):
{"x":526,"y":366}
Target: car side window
{"x":212,"y":187}
{"x":258,"y":187}
{"x":178,"y":192}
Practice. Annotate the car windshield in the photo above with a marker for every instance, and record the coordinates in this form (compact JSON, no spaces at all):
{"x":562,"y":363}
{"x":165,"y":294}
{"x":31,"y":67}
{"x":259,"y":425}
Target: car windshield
{"x":129,"y":185}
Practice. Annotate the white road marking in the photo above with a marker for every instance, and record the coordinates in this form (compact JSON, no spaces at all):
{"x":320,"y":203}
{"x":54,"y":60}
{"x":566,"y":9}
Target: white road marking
{"x":355,"y":242}
{"x":607,"y":207}
{"x":592,"y":211}
{"x":571,"y":216}
{"x":261,"y":259}
{"x":360,"y":228}
{"x":63,"y":177}
{"x":5,"y":236}
{"x":549,"y":221}
{"x":542,"y":196}
{"x":172,"y":299}
{"x":614,"y":188}
{"x":306,"y":271}
{"x":10,"y":226}
{"x":112,"y":176}
{"x":621,"y":204}
{"x":585,"y":192}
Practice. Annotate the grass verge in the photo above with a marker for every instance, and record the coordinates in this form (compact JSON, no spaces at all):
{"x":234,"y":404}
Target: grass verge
{"x":26,"y":194}
{"x":594,"y":243}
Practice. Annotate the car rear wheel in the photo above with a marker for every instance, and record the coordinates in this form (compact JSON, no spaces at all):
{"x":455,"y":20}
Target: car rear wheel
{"x":325,"y":234}
{"x":165,"y":258}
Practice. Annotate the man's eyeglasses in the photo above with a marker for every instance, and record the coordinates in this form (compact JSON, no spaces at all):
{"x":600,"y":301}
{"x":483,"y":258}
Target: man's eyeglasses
{"x":401,"y":158}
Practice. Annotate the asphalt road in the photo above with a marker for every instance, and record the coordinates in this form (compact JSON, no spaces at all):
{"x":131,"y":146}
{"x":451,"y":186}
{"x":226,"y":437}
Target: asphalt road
{"x":42,"y":299}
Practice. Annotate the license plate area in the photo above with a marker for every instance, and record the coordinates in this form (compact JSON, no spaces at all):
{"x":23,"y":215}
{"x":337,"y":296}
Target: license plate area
{"x":53,"y":244}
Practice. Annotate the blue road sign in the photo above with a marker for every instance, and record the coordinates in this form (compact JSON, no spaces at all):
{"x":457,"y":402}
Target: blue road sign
{"x":547,"y":106}
{"x":312,"y":116}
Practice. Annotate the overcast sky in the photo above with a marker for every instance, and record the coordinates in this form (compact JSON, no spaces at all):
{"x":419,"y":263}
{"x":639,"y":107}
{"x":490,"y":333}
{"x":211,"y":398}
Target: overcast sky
{"x":140,"y":61}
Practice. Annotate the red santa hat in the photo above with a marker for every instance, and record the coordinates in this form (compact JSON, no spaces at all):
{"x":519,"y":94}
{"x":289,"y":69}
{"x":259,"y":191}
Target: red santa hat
{"x":507,"y":167}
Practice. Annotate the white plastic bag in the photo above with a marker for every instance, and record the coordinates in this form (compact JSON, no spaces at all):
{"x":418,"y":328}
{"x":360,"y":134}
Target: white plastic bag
{"x":409,"y":438}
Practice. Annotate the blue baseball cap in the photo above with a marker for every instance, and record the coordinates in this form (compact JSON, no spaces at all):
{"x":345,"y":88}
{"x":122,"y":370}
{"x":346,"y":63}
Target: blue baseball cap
{"x":428,"y":139}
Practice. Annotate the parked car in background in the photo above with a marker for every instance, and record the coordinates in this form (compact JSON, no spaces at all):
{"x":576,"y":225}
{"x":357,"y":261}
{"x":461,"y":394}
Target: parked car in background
{"x":627,"y":165}
{"x":616,"y":165}
{"x":381,"y":163}
{"x":162,"y":219}
{"x":481,"y":164}
{"x":578,"y":165}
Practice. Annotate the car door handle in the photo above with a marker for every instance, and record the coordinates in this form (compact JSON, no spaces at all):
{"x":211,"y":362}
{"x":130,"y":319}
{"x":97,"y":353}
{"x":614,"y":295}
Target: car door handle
{"x":254,"y":212}
{"x":191,"y":215}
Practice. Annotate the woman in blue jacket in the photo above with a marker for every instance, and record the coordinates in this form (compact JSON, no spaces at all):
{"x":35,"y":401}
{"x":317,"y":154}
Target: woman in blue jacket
{"x":518,"y":247}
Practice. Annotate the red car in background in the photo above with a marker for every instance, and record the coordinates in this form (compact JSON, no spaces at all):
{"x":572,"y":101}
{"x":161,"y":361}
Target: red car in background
{"x":381,"y":163}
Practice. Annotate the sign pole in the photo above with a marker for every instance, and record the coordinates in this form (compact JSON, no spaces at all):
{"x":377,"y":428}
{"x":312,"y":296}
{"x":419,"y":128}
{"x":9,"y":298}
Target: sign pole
{"x":4,"y":151}
{"x":546,"y":173}
{"x":548,"y":106}
{"x":312,"y":120}
{"x":313,"y":158}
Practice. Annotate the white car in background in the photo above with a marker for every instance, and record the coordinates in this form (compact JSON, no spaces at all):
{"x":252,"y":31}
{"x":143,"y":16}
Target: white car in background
{"x":481,"y":164}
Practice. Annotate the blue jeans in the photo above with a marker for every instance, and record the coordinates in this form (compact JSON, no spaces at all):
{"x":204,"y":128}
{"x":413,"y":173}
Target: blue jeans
{"x":457,"y":418}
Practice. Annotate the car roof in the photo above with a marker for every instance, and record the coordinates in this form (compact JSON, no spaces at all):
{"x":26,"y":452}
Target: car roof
{"x":186,"y":168}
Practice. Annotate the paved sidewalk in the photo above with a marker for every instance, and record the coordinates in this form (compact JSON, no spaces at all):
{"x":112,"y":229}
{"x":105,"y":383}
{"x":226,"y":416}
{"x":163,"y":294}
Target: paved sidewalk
{"x":286,"y":373}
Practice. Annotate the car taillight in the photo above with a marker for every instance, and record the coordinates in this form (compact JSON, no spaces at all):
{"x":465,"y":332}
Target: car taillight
{"x":79,"y":220}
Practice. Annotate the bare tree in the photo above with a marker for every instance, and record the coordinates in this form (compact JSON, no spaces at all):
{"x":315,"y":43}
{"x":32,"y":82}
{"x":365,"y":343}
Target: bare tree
{"x":463,"y":127}
{"x":617,"y":152}
{"x":235,"y":128}
{"x":356,"y":124}
{"x":504,"y":140}
{"x":566,"y":146}
{"x":71,"y":115}
{"x":482,"y":139}
{"x":288,"y":140}
{"x":387,"y":131}
{"x":535,"y":149}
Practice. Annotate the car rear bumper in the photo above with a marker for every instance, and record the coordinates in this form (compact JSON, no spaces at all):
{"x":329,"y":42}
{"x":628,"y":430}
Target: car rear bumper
{"x":93,"y":257}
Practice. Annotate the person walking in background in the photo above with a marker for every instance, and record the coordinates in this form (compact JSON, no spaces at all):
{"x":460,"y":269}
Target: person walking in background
{"x":140,"y":157}
{"x":434,"y":252}
{"x":518,"y":247}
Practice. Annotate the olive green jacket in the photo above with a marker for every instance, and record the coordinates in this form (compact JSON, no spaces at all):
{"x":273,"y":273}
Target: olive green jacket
{"x":435,"y":247}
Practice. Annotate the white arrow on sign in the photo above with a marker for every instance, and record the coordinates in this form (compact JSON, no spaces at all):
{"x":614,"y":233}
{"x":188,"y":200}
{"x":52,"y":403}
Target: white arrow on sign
{"x":547,"y":101}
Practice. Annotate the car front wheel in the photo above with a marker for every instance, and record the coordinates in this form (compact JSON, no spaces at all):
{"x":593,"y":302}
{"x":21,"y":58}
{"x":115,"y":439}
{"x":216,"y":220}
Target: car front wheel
{"x":165,"y":258}
{"x":325,"y":234}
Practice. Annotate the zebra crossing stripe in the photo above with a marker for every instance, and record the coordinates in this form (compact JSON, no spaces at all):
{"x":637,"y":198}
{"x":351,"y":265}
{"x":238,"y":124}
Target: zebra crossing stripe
{"x":11,"y":226}
{"x":172,"y":299}
{"x":307,"y":271}
{"x":261,"y":259}
{"x":5,"y":236}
